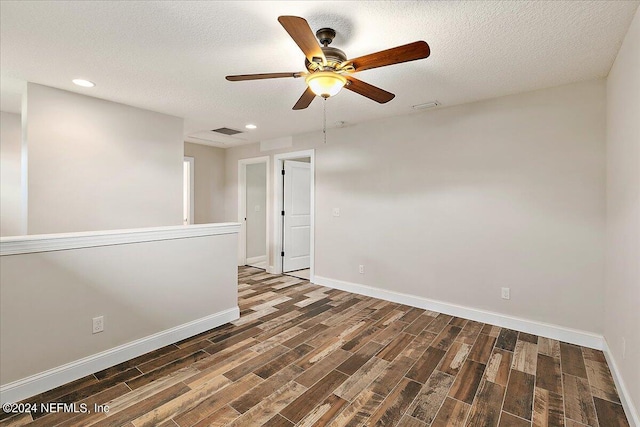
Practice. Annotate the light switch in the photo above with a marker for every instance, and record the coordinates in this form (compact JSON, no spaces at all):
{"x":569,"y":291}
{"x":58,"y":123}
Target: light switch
{"x":336,"y":211}
{"x":257,"y":208}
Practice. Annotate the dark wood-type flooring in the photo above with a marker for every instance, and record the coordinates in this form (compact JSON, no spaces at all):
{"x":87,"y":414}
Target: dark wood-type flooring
{"x":307,"y":355}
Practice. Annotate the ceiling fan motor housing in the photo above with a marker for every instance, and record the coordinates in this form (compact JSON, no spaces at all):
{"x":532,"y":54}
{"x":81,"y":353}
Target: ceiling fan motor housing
{"x":334,"y":56}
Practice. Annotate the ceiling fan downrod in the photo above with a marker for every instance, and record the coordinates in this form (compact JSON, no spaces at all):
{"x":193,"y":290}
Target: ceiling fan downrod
{"x":325,"y":36}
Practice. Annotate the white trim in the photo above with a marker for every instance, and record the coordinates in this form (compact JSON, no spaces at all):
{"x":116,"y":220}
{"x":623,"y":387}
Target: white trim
{"x":242,"y":205}
{"x":24,"y":165}
{"x":278,"y":162}
{"x":88,"y":239}
{"x":573,"y":336}
{"x":625,"y":398}
{"x":47,"y":380}
{"x":192,"y":194}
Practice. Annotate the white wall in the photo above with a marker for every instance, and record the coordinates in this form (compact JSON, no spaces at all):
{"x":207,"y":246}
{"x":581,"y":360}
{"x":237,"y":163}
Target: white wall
{"x":256,"y":178}
{"x":209,"y":182}
{"x":100,"y":165}
{"x":140,"y":285}
{"x":10,"y":152}
{"x":622,"y":282}
{"x":454,"y":203}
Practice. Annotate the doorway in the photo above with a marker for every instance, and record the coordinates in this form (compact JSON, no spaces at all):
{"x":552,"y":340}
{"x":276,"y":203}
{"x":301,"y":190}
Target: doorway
{"x":253,"y":211}
{"x":296,"y":224}
{"x":256,"y":215}
{"x":295,"y":205}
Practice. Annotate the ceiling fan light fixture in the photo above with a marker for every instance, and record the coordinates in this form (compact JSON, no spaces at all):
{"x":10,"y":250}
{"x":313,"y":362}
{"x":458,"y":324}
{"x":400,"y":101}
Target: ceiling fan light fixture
{"x":327,"y":66}
{"x":325,"y":83}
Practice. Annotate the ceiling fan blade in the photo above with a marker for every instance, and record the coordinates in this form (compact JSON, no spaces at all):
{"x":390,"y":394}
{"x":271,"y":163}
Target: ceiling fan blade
{"x":241,"y":77}
{"x":299,"y":30}
{"x":370,"y":91}
{"x":395,"y":55}
{"x":305,"y":99}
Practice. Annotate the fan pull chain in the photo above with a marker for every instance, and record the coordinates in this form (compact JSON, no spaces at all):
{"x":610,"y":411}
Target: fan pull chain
{"x":324,"y":116}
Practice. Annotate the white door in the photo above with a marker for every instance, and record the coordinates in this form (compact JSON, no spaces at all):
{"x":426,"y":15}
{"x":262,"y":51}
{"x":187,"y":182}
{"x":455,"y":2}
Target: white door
{"x":297,"y":216}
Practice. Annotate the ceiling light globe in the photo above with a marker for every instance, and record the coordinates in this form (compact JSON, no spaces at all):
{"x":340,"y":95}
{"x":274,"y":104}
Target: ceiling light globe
{"x":325,"y":83}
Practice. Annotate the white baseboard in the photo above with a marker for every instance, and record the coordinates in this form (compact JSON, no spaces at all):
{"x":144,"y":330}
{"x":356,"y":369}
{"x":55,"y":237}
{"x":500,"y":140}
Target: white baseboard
{"x":629,"y":408}
{"x":52,"y":378}
{"x":573,"y":336}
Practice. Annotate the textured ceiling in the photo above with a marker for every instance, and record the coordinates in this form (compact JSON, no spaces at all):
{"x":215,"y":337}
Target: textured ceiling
{"x":172,"y":56}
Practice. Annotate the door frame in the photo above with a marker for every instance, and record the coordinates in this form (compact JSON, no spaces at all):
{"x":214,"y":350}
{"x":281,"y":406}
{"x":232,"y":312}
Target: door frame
{"x":192,"y":211}
{"x":242,"y":206}
{"x":278,"y":198}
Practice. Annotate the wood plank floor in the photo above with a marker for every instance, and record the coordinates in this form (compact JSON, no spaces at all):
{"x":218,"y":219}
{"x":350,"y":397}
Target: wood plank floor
{"x":305,"y":355}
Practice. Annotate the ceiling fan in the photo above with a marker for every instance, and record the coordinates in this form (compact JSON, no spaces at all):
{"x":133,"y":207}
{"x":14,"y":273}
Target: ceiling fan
{"x":329,"y":70}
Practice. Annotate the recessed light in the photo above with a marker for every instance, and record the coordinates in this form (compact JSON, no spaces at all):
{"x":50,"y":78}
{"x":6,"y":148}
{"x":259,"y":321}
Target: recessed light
{"x":83,"y":83}
{"x":251,"y":126}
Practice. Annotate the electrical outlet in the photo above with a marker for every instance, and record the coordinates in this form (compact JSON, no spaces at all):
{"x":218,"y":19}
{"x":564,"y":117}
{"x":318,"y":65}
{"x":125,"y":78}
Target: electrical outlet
{"x":361,"y":269}
{"x":336,"y":211}
{"x":98,"y":324}
{"x":506,"y":293}
{"x":624,"y":348}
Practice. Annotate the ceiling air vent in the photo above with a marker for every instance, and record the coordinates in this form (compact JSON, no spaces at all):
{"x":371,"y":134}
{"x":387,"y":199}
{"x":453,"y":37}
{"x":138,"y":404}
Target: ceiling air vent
{"x":431,"y":104}
{"x":227,"y":131}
